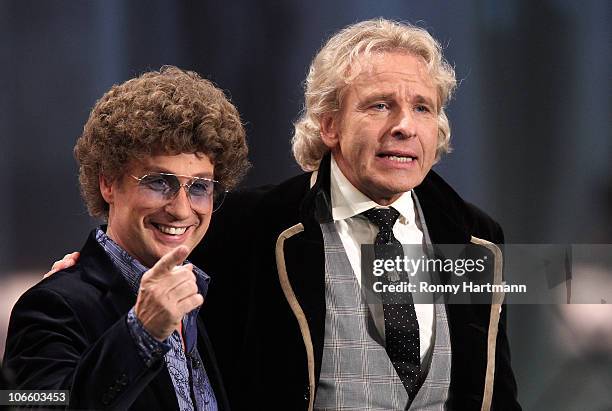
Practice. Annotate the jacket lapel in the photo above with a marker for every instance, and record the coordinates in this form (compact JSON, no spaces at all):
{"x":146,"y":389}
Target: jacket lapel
{"x":99,"y":270}
{"x":305,"y":259}
{"x":443,"y":211}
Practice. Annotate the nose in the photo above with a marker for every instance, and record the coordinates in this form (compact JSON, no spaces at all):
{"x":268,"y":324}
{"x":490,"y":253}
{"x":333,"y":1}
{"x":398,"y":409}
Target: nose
{"x":404,"y":124}
{"x":180,"y":206}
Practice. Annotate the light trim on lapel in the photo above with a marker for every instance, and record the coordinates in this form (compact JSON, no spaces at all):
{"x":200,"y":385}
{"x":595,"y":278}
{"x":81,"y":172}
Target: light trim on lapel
{"x":496,"y":301}
{"x":313,"y":178}
{"x":295,"y":305}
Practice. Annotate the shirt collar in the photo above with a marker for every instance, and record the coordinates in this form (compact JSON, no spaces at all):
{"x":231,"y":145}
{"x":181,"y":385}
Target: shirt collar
{"x":132,"y":270}
{"x":348,"y":201}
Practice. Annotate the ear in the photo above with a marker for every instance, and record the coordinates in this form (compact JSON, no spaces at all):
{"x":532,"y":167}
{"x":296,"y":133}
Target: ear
{"x":328,"y":126}
{"x":107,"y":189}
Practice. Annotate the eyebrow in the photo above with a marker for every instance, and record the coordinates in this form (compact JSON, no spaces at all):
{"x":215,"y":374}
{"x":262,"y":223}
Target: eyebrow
{"x":376,"y":96}
{"x":158,"y":169}
{"x":370,"y":98}
{"x":426,"y":100}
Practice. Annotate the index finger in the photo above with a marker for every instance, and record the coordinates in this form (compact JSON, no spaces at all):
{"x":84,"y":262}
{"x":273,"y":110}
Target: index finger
{"x":170,"y":260}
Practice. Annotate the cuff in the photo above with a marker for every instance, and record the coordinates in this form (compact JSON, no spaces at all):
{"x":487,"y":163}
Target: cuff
{"x":149,"y":349}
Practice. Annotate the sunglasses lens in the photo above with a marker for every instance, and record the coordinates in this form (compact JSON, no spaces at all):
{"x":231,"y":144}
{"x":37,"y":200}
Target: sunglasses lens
{"x":201,"y":188}
{"x":159,"y":185}
{"x":200,"y":193}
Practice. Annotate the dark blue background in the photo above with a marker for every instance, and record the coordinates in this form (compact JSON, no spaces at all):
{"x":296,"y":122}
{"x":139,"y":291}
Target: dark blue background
{"x":530,"y":119}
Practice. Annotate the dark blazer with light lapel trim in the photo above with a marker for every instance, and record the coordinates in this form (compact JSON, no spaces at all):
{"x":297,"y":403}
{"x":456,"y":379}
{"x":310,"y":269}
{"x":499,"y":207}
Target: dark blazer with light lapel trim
{"x":263,"y":353}
{"x":69,"y":332}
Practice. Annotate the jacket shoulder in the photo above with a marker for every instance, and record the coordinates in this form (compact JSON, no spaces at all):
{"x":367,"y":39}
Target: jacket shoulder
{"x":483,"y":226}
{"x":441,"y":202}
{"x":247,"y":211}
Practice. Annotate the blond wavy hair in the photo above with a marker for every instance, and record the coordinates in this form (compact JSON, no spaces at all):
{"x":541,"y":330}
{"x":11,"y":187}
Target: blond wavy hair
{"x":331,"y":73}
{"x":170,"y":111}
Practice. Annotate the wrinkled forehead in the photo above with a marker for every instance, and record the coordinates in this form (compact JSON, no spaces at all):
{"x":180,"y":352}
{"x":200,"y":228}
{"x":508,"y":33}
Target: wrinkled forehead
{"x":383,"y":67}
{"x":382,"y":61}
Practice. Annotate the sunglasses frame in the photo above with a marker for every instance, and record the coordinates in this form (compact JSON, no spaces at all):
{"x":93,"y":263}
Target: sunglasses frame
{"x":186,"y":186}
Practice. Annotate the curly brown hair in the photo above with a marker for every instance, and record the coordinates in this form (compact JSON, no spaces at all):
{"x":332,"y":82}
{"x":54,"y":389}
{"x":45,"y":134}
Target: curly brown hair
{"x":170,"y":111}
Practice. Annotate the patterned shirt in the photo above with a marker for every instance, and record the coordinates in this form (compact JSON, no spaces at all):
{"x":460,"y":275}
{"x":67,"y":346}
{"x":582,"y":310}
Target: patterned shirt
{"x":185,"y":367}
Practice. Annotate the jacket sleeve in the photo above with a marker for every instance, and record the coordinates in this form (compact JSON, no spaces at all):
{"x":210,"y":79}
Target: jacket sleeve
{"x":48,"y":348}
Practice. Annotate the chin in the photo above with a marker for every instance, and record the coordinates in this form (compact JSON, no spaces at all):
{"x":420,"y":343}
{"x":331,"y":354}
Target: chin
{"x":408,"y":182}
{"x":394,"y":186}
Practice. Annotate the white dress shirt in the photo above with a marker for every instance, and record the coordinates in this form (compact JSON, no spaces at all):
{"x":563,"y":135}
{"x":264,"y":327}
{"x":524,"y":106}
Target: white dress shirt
{"x":355,"y":229}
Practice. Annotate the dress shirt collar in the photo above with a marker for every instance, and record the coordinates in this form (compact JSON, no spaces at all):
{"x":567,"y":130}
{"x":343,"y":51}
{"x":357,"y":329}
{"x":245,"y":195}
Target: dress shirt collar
{"x":348,"y":201}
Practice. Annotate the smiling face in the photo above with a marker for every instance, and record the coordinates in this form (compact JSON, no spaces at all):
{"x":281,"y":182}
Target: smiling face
{"x":384,"y":137}
{"x":149,"y":229}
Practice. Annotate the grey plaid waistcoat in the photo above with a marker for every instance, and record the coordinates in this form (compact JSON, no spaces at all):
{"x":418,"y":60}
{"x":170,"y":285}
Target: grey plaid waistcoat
{"x":356,"y":373}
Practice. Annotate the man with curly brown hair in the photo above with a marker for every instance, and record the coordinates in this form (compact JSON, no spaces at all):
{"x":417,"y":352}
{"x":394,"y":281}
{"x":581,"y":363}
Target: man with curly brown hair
{"x":120,"y":329}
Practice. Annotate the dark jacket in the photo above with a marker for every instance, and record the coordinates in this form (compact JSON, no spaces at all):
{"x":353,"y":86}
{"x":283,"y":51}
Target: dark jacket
{"x":69,"y":332}
{"x":263,"y":353}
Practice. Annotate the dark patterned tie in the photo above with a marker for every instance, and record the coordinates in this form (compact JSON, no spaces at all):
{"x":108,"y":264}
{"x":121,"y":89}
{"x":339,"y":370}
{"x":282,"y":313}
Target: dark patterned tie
{"x":401,"y":325}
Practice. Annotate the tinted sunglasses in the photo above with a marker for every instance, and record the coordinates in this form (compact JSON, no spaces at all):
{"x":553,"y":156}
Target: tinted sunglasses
{"x":160,"y":188}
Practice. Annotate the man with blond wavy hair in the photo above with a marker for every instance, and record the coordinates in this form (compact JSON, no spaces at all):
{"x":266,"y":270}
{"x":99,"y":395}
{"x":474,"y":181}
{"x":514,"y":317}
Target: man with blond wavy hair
{"x":302,"y":335}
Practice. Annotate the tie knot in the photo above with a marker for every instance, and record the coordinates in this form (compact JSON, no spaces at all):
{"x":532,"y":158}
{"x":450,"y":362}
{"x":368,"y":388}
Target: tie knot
{"x":383,"y":218}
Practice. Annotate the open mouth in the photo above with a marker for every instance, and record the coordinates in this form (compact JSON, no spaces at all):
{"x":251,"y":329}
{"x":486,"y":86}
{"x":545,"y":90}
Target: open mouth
{"x":170,"y":230}
{"x":400,"y":158}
